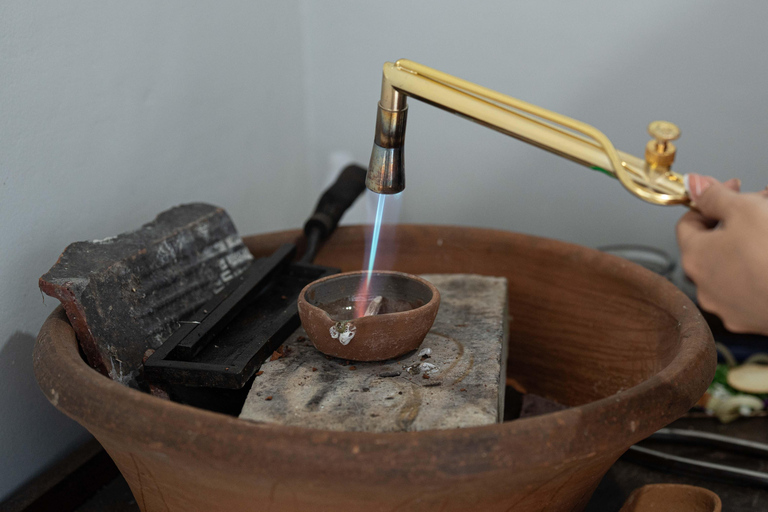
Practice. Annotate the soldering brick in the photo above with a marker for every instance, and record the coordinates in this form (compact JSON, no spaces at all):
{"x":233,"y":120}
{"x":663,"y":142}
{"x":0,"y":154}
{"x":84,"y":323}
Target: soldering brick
{"x":465,"y":388}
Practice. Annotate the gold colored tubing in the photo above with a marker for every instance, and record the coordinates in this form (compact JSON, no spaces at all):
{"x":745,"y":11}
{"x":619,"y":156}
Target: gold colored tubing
{"x":540,"y":127}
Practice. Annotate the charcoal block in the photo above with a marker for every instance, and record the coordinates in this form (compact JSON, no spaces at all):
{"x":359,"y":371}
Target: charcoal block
{"x":126,"y":294}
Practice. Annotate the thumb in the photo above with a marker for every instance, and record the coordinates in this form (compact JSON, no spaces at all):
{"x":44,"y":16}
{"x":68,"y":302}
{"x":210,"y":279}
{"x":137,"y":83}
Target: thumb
{"x":717,"y":201}
{"x":696,"y":184}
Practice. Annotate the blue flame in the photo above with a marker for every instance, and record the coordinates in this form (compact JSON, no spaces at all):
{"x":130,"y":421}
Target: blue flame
{"x":375,"y":238}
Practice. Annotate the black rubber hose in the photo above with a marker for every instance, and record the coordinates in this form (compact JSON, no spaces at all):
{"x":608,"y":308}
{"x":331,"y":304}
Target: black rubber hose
{"x":331,"y":207}
{"x":313,"y":243}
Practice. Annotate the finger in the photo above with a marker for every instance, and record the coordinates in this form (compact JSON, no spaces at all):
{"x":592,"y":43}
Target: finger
{"x":690,"y":227}
{"x":733,"y":184}
{"x":696,"y":184}
{"x":717,"y":201}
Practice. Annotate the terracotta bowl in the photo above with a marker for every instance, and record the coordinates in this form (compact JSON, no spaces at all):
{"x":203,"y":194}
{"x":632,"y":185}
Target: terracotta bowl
{"x":626,"y":350}
{"x":672,"y":498}
{"x":328,"y":308}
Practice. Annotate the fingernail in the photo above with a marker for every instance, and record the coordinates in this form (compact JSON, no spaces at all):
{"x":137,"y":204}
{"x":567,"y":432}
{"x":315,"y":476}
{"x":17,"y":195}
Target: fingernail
{"x":696,"y":184}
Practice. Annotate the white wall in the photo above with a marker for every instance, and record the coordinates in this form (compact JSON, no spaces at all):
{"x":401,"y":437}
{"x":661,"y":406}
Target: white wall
{"x":113,"y":111}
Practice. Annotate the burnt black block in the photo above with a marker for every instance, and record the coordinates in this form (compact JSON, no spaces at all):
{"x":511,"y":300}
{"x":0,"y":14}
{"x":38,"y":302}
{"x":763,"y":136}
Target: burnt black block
{"x":126,"y":294}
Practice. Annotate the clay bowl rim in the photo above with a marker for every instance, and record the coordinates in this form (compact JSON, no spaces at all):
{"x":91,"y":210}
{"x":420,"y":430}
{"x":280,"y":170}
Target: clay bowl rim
{"x":685,"y":489}
{"x":365,"y":319}
{"x":585,"y":431}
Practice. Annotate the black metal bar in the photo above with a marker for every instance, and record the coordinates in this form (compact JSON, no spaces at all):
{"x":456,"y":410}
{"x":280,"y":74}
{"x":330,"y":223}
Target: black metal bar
{"x":228,"y":303}
{"x":230,"y":358}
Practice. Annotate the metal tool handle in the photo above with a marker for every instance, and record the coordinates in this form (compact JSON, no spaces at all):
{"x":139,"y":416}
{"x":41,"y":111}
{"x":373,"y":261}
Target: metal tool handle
{"x":685,"y":465}
{"x":732,"y":444}
{"x":331,"y":207}
{"x":677,"y":464}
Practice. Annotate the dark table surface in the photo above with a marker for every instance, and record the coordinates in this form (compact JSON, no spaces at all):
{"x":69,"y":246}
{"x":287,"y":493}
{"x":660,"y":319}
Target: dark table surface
{"x":626,"y":476}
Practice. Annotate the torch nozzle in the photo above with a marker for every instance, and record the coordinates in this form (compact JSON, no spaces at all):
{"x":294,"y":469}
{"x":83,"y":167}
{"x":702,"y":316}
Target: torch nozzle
{"x":386,"y":171}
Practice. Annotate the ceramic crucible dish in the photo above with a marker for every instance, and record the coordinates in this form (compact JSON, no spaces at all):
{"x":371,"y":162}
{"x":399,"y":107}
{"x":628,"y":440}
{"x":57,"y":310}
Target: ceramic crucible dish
{"x":331,"y":309}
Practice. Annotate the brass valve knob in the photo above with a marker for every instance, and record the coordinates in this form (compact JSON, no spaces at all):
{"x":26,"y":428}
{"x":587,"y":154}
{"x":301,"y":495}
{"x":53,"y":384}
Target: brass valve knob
{"x":660,"y":151}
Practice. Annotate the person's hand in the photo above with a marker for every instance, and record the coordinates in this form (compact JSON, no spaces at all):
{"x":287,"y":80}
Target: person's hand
{"x":724,"y":250}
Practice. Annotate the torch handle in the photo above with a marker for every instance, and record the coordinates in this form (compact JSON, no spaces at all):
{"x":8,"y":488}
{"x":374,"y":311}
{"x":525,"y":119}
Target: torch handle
{"x":331,"y":207}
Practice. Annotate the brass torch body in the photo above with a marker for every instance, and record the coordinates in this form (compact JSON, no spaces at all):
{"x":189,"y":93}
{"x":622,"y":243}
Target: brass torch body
{"x":651,"y":179}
